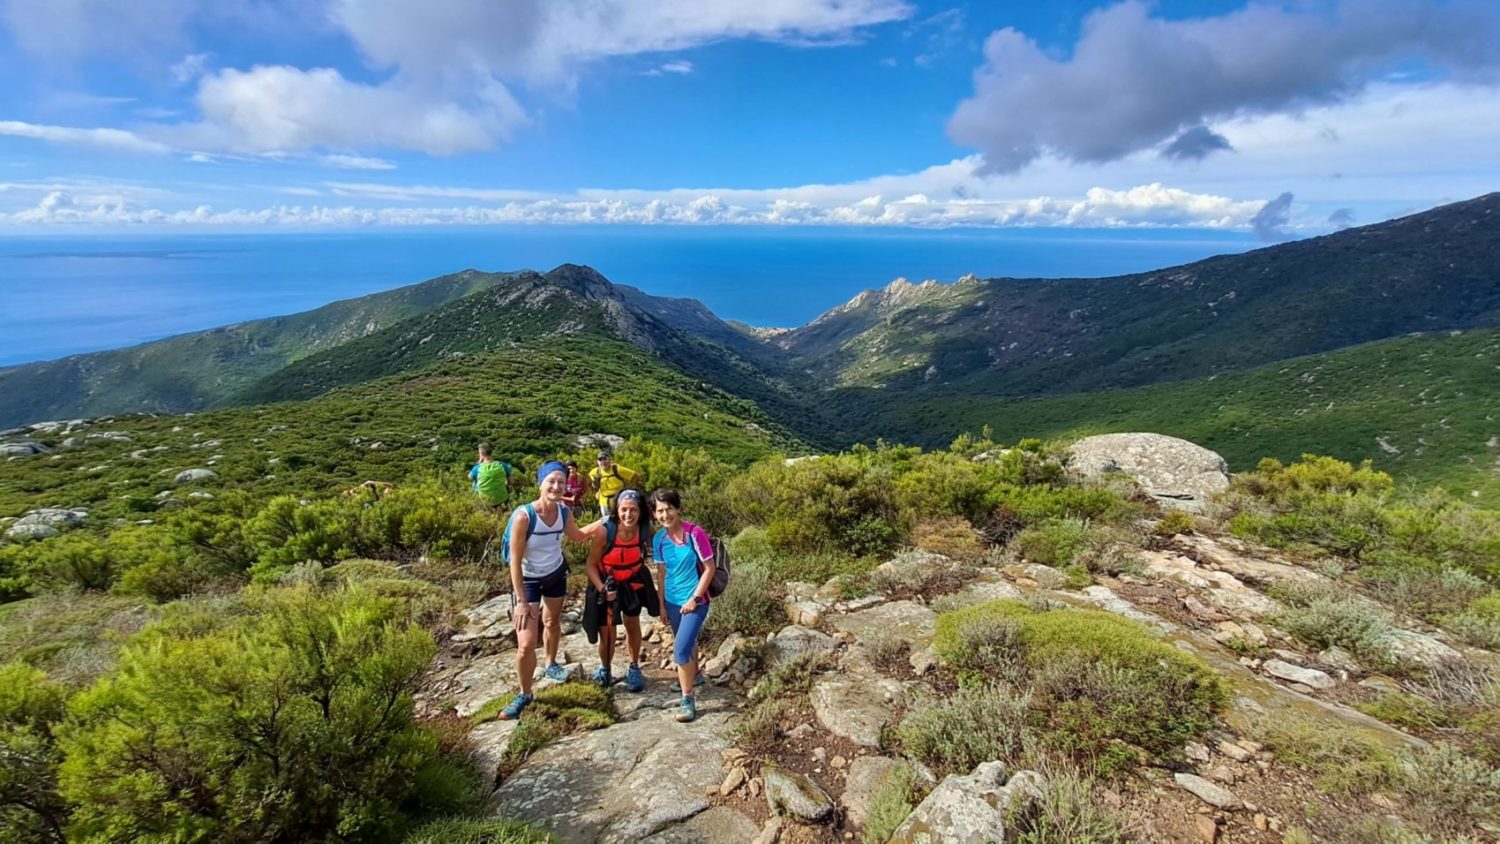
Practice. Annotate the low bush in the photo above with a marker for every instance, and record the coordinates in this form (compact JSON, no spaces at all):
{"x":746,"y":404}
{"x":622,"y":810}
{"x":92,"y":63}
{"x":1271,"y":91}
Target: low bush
{"x":477,"y":831}
{"x":1453,"y":792}
{"x":976,"y":724}
{"x":1479,"y":623}
{"x":1097,"y":681}
{"x":1323,"y":617}
{"x":921,"y":575}
{"x":1069,"y":814}
{"x":232,"y":730}
{"x":752,"y":605}
{"x":1341,"y":760}
{"x":31,"y":810}
{"x":893,"y":799}
{"x":1174,"y":522}
{"x":953,"y":537}
{"x":1425,"y":591}
{"x":1407,"y":710}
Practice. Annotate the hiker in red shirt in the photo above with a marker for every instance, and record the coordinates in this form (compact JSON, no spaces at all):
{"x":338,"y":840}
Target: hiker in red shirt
{"x":620,"y":586}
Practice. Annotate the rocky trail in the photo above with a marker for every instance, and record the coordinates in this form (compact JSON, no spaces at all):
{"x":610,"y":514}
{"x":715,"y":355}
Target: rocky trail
{"x":649,"y":778}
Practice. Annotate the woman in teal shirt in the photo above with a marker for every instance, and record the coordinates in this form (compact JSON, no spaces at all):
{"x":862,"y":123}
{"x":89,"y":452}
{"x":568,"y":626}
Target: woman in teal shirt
{"x":684,"y":557}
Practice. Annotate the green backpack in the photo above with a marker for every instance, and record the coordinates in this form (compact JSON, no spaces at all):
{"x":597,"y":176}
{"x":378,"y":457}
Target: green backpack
{"x":492,"y":481}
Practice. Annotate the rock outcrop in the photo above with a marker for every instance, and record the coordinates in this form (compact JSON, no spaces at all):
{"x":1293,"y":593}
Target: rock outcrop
{"x":1177,"y":473}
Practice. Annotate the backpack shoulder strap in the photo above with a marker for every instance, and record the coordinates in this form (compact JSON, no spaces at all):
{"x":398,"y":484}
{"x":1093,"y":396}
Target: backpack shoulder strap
{"x":530,"y":518}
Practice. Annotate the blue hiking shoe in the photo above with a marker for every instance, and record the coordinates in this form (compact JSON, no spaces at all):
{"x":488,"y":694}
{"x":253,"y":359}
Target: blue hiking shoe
{"x":556,"y":672}
{"x":687,"y":710}
{"x":634,"y":681}
{"x":602,"y":678}
{"x":513,"y":711}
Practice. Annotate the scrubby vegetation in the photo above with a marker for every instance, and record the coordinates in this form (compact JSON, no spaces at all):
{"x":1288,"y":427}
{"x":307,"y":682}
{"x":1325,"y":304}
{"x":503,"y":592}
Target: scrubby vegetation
{"x":1082,"y":683}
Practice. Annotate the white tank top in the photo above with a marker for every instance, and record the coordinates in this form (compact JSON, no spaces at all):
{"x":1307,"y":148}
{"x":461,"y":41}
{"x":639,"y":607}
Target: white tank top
{"x":544,"y":551}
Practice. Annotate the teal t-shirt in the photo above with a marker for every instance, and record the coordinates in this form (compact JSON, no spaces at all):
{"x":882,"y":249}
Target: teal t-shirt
{"x":681,"y":561}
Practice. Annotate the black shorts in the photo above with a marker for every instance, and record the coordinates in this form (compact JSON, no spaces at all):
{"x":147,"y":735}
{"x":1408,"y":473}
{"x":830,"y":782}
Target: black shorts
{"x":554,"y":585}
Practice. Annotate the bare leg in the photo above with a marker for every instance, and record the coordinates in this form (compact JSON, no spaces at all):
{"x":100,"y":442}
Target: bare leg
{"x":551,"y":627}
{"x":526,"y":641}
{"x":632,"y":638}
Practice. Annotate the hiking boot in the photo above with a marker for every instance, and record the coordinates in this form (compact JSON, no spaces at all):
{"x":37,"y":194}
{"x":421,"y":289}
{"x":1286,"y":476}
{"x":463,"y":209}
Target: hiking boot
{"x":634,"y":681}
{"x":687,"y":711}
{"x":513,"y":711}
{"x":602,"y":678}
{"x":556,"y":672}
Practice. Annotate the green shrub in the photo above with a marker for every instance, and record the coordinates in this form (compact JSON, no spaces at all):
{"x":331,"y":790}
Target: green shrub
{"x":233,"y":732}
{"x":1054,"y":542}
{"x":1412,"y":586}
{"x":953,"y":537}
{"x":1341,"y":760}
{"x":975,"y":724}
{"x":1174,"y":522}
{"x":31,"y":810}
{"x":892,"y":800}
{"x":751,"y":605}
{"x":1453,"y":792}
{"x":1097,"y":679}
{"x":1324,"y":617}
{"x":1479,"y":623}
{"x":477,"y":831}
{"x":1406,"y":710}
{"x":73,"y":561}
{"x":1069,"y":814}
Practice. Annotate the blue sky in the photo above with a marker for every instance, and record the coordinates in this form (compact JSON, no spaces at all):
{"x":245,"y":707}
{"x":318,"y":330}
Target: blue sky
{"x":258,"y":115}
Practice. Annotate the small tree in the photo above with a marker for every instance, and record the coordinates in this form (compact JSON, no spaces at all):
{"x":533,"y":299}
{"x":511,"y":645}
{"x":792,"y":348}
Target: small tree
{"x":291,"y":723}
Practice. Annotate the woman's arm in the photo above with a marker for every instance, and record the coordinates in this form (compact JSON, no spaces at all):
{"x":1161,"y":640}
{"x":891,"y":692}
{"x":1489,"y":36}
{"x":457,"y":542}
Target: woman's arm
{"x":574,"y":532}
{"x":519,"y":528}
{"x":596,"y":551}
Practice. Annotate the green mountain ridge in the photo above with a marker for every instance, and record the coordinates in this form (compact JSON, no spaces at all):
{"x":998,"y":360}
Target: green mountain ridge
{"x":204,"y":369}
{"x":1432,"y":271}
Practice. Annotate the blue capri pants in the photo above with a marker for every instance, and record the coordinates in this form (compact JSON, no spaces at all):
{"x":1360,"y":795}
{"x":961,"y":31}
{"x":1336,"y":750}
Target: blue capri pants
{"x":686,"y":628}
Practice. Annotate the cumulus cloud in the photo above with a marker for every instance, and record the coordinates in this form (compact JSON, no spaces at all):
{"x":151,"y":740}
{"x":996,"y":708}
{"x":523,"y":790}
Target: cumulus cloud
{"x":285,"y":109}
{"x":851,"y":204}
{"x":1270,"y":222}
{"x":1134,"y":81}
{"x":1341,"y":218}
{"x":113,"y":139}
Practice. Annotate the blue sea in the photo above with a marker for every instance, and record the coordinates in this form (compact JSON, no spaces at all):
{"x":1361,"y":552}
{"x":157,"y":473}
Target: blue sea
{"x":69,"y":294}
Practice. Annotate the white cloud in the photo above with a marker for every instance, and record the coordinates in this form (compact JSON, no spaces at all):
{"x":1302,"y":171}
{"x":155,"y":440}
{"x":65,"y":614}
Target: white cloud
{"x":357,"y":162}
{"x":1134,"y":81}
{"x":546,"y":39}
{"x":270,"y":109}
{"x":114,"y":139}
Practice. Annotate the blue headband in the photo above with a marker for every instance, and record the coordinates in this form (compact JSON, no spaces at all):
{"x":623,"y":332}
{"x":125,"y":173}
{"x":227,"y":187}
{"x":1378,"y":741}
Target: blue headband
{"x":629,"y":495}
{"x":548,"y":468}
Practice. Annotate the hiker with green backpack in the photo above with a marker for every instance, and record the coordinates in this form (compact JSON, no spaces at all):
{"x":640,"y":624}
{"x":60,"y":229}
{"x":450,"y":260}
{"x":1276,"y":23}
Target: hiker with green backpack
{"x":532,"y":548}
{"x":691,"y":570}
{"x":620,"y":586}
{"x":491,"y":478}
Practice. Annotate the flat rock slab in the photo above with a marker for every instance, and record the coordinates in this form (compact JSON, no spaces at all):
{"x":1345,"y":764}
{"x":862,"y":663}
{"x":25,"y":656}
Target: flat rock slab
{"x":906,"y":620}
{"x":489,"y":742}
{"x":980,"y":808}
{"x":1214,"y":795}
{"x":720,"y":823}
{"x":489,"y":620}
{"x":788,"y":792}
{"x":1297,"y":674}
{"x":486,"y":679}
{"x":794,"y":640}
{"x":856,"y":706}
{"x":620,"y":784}
{"x":1179,"y":474}
{"x":866,"y":775}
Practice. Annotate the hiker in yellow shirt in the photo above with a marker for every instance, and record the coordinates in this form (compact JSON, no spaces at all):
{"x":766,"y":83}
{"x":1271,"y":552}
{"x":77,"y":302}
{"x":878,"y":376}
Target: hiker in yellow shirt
{"x":609,"y":479}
